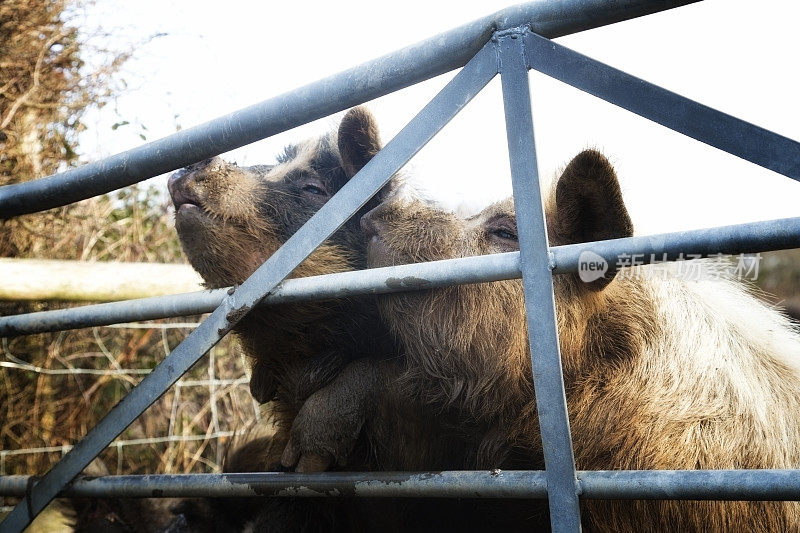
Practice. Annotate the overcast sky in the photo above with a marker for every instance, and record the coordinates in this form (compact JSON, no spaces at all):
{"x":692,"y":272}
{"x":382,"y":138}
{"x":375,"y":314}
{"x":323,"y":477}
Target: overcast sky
{"x":737,"y":56}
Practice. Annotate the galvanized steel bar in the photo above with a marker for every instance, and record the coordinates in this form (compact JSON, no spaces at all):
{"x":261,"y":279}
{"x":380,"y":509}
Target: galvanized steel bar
{"x":537,"y":282}
{"x":416,"y":63}
{"x":457,"y":484}
{"x":174,"y":305}
{"x":783,"y":485}
{"x":371,"y":281}
{"x":728,"y":133}
{"x":780,"y":485}
{"x":752,"y":237}
{"x":433,"y":117}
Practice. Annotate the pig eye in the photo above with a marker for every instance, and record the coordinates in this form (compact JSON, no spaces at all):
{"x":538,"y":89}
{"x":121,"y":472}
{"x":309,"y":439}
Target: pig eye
{"x":504,"y":234}
{"x":313,"y":189}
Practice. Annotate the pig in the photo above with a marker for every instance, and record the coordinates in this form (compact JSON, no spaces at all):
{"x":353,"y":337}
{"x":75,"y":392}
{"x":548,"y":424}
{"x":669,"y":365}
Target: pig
{"x":660,"y":371}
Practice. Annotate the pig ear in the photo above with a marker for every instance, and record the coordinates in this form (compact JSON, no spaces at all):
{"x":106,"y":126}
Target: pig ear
{"x":358,"y":139}
{"x":589,"y":207}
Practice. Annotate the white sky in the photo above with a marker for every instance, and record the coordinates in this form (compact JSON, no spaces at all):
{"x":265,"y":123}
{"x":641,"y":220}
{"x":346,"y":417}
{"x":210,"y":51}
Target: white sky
{"x":737,"y":56}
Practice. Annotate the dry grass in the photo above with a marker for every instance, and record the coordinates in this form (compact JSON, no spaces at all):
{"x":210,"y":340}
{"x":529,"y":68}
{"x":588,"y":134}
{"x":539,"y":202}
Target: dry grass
{"x":44,"y":410}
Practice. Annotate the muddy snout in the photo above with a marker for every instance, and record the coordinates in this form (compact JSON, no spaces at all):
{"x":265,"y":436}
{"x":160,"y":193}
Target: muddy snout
{"x":374,"y":226}
{"x":182,"y":184}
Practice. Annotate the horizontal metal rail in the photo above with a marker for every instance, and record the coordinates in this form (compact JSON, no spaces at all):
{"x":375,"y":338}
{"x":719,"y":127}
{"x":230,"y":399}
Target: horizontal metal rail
{"x":392,"y":72}
{"x":752,"y":237}
{"x":594,"y":484}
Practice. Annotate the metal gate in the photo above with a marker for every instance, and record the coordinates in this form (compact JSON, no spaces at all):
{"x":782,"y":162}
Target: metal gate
{"x":508,"y":43}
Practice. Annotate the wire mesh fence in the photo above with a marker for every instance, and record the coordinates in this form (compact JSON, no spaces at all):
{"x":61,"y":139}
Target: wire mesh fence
{"x":51,"y":398}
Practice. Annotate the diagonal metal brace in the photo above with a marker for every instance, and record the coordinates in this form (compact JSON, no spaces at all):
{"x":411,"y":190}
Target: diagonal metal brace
{"x":715,"y":128}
